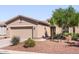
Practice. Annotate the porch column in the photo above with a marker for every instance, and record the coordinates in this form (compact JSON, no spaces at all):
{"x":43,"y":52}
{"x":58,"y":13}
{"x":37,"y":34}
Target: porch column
{"x":52,"y":31}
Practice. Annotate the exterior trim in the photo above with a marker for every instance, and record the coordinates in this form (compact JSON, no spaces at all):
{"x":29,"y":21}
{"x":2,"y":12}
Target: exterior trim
{"x":26,"y":18}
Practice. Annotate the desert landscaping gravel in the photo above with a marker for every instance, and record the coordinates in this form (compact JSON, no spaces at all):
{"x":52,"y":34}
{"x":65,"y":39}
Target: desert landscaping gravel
{"x":49,"y":47}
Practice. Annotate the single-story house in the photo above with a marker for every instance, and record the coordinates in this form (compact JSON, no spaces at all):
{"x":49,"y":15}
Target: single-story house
{"x":24,"y":27}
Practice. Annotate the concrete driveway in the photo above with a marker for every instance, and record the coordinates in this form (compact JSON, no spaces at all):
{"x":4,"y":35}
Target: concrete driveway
{"x":5,"y":42}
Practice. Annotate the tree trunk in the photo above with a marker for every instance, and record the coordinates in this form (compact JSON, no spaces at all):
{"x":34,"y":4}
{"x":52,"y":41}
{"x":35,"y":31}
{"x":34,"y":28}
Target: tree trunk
{"x":65,"y":29}
{"x":73,"y":29}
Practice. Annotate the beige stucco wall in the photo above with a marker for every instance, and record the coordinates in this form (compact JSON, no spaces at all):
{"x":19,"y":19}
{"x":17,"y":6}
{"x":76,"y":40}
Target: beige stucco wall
{"x":58,"y":30}
{"x":76,"y":30}
{"x":41,"y":30}
{"x":70,"y":30}
{"x":35,"y":31}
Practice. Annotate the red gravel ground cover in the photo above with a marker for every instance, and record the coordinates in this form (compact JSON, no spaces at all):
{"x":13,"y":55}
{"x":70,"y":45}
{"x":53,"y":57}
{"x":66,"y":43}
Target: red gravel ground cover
{"x":47,"y":47}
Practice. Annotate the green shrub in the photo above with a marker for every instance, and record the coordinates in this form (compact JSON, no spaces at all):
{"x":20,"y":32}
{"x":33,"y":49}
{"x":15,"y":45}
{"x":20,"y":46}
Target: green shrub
{"x":29,"y":43}
{"x":58,"y":36}
{"x":15,"y":40}
{"x":75,"y":36}
{"x":66,"y":34}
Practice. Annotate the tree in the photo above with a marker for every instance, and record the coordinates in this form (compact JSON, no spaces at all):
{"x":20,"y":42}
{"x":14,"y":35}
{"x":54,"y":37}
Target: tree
{"x":65,"y":18}
{"x":73,"y":17}
{"x":74,"y":21}
{"x":52,"y":21}
{"x":60,"y":16}
{"x":69,"y":16}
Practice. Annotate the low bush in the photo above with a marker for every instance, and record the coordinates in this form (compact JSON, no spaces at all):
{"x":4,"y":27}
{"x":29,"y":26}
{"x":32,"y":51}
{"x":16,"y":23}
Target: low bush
{"x":58,"y":36}
{"x":75,"y":36}
{"x":29,"y":43}
{"x":66,"y":34}
{"x":15,"y":40}
{"x":61,"y":35}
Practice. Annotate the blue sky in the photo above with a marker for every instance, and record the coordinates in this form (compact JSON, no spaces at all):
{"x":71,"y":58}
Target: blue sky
{"x":39,"y":12}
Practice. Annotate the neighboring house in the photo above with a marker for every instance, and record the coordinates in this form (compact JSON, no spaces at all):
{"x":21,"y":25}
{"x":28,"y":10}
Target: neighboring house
{"x":2,"y":30}
{"x":24,"y":27}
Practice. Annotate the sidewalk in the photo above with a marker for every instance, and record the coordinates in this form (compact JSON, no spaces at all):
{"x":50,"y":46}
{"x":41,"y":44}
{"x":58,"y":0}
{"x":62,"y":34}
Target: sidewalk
{"x":2,"y":51}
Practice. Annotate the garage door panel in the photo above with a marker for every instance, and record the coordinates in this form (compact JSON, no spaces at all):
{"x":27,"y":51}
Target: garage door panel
{"x":22,"y":32}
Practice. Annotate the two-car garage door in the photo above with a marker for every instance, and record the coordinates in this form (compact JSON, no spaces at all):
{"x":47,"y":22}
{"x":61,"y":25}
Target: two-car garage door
{"x":22,"y":32}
